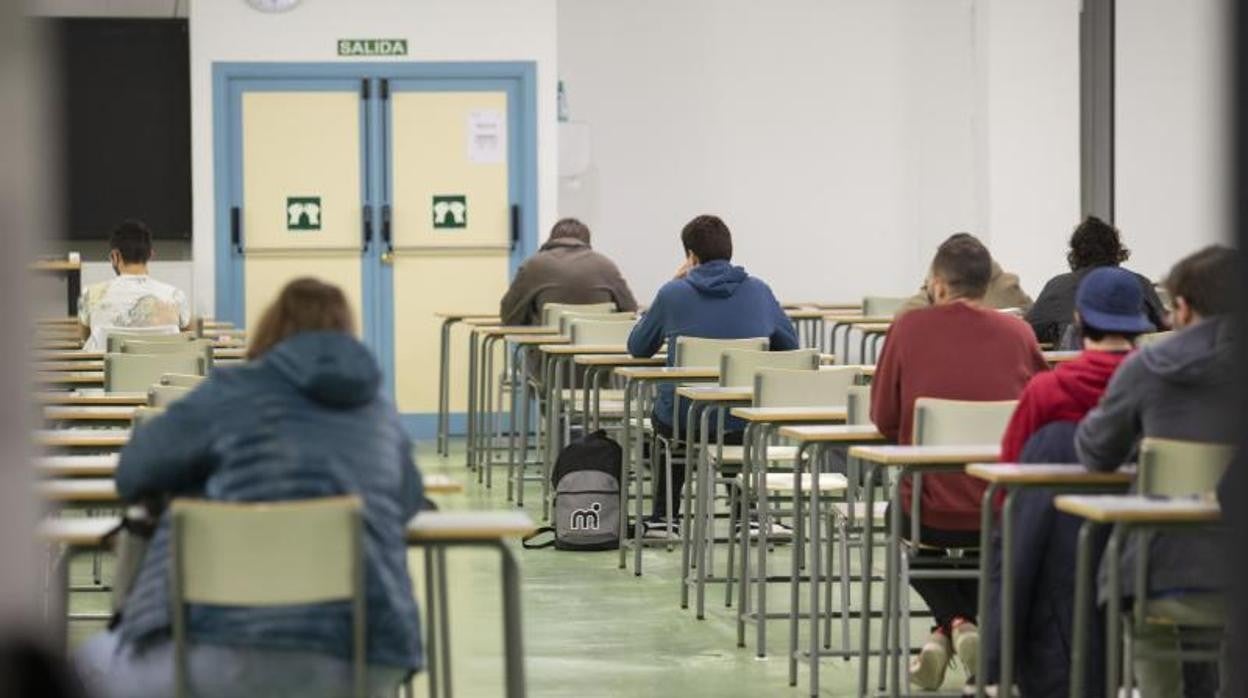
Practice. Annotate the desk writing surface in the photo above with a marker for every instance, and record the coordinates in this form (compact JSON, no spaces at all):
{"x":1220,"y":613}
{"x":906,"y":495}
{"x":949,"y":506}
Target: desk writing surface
{"x":72,"y":377}
{"x":927,"y":455}
{"x":78,"y":466}
{"x":618,"y":360}
{"x":58,"y":344}
{"x":564,"y":349}
{"x":715,"y":393}
{"x":55,"y":265}
{"x":805,"y":313}
{"x":79,"y":531}
{"x":78,"y":490}
{"x":69,"y":355}
{"x":468,"y":526}
{"x":503,"y":330}
{"x":470,"y":315}
{"x":82,"y":437}
{"x":91,"y":398}
{"x":874,"y":327}
{"x":831,"y":432}
{"x":668,"y":372}
{"x":859,"y":319}
{"x":828,"y":413}
{"x":537,"y":340}
{"x":1047,"y":473}
{"x":89,"y":412}
{"x":436,"y":483}
{"x":1057,"y":357}
{"x":229,"y":352}
{"x":1134,"y":508}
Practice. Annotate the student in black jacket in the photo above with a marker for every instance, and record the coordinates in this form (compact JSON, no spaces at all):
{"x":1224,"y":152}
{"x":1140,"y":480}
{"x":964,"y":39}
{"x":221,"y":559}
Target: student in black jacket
{"x":1094,"y":244}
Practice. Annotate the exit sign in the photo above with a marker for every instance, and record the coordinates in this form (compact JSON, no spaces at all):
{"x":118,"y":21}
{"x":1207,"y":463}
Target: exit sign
{"x":372,"y":47}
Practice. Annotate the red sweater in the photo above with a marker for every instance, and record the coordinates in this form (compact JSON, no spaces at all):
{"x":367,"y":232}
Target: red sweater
{"x":958,"y":352}
{"x":1065,"y":394}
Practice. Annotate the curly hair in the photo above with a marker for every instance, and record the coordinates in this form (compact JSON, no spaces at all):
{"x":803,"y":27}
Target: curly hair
{"x":1096,"y":243}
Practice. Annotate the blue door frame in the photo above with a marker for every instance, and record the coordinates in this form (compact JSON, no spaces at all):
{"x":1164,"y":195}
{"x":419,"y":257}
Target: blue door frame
{"x":231,"y":80}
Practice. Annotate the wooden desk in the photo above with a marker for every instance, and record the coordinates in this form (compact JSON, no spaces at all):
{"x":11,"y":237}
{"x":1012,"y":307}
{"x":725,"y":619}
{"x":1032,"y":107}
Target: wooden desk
{"x":450,"y":319}
{"x":64,"y":537}
{"x":436,"y":483}
{"x":436,"y":531}
{"x":921,"y":456}
{"x":79,"y":531}
{"x":1013,"y":477}
{"x":43,"y":344}
{"x":103,"y":466}
{"x":849,"y":323}
{"x":778,"y":415}
{"x":1124,"y":512}
{"x":89,"y":413}
{"x":70,"y":378}
{"x":91,"y":398}
{"x":69,"y":355}
{"x":1057,"y":357}
{"x":78,"y":491}
{"x":715,"y":393}
{"x":76,"y":365}
{"x":82,"y":438}
{"x":482,"y":342}
{"x":620,"y":360}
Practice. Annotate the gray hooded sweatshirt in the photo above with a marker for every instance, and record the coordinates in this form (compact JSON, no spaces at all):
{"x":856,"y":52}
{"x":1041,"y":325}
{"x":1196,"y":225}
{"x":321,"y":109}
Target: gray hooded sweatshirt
{"x":1180,"y":388}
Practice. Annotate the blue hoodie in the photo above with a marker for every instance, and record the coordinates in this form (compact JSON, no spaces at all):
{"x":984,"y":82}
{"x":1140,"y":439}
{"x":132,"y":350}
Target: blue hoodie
{"x":306,"y":420}
{"x":715,"y":300}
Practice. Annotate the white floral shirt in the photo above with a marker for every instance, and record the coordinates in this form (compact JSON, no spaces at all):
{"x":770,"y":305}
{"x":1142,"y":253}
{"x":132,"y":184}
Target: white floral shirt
{"x":131,"y":301}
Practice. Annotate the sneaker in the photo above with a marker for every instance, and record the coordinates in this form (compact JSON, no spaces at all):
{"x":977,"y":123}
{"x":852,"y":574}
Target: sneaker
{"x":657,"y":530}
{"x":966,"y":643}
{"x":927,"y":668}
{"x":778,"y":532}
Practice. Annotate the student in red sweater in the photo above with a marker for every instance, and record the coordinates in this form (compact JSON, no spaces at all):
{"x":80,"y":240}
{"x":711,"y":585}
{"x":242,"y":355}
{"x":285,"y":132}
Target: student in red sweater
{"x":956,"y":349}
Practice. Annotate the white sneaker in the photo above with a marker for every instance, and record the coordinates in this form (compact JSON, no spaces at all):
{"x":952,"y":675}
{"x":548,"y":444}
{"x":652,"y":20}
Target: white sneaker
{"x":927,"y":668}
{"x":657,"y":530}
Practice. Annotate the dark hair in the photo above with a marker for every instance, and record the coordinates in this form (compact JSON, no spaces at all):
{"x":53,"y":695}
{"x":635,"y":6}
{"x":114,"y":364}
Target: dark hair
{"x":707,"y":237}
{"x":133,"y":240}
{"x":570,"y":228}
{"x":964,"y":264}
{"x":1207,"y":280}
{"x":1095,"y":243}
{"x":1096,"y":335}
{"x":304,"y":305}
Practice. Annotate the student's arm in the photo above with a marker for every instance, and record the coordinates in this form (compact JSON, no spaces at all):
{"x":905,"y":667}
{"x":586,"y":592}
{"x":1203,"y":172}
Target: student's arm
{"x":412,"y":494}
{"x":1026,"y":419}
{"x":184,"y":310}
{"x":512,"y":309}
{"x":84,"y":315}
{"x":783,"y":334}
{"x":886,"y":404}
{"x":647,"y":335}
{"x":170,"y":454}
{"x":1107,"y":435}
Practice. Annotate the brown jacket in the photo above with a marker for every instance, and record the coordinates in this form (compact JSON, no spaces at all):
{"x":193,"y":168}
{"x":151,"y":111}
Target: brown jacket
{"x":564,"y":270}
{"x":1003,"y":292}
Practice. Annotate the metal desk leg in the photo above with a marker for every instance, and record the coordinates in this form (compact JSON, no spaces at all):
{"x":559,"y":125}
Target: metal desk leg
{"x":444,"y":626}
{"x":519,"y":393}
{"x":764,"y":506}
{"x":470,"y":427}
{"x":888,"y":665}
{"x":431,"y":623}
{"x":687,"y":523}
{"x":444,"y":388}
{"x":1083,"y":609}
{"x":628,"y":478}
{"x":985,"y":580}
{"x":796,"y":570}
{"x":1007,"y":593}
{"x":815,"y":566}
{"x":513,"y":632}
{"x":743,"y":571}
{"x":868,"y":543}
{"x":1113,"y":613}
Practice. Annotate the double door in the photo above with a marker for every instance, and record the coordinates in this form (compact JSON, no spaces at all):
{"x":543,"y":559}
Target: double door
{"x":407,"y":193}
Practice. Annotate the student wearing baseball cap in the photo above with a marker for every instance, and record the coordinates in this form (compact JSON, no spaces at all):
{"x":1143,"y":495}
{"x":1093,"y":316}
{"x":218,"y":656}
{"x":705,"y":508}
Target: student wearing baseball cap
{"x":1110,"y":312}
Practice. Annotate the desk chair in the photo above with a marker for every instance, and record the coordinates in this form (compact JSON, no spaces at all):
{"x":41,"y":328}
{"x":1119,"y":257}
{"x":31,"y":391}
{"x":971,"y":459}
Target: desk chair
{"x":312,"y":553}
{"x":162,"y":396}
{"x":182,"y":380}
{"x":1171,"y":468}
{"x":882,"y":306}
{"x":143,"y":415}
{"x":551,"y":312}
{"x":196,"y":347}
{"x":165,"y":334}
{"x":939,"y":422}
{"x":136,"y":372}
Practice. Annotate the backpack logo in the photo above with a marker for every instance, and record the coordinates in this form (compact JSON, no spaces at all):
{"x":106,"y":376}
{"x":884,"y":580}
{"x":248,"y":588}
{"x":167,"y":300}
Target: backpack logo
{"x":586,"y":519}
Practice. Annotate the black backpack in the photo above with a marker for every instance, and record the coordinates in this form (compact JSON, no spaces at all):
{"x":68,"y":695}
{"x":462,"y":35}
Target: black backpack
{"x":586,"y":480}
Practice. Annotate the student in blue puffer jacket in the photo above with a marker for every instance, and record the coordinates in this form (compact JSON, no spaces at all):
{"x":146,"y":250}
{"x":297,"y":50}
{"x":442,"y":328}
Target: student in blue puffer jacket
{"x":303,"y":418}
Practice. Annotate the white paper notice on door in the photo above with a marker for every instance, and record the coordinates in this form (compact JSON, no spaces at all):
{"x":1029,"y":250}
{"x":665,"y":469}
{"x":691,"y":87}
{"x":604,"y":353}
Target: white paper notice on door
{"x":487,"y":136}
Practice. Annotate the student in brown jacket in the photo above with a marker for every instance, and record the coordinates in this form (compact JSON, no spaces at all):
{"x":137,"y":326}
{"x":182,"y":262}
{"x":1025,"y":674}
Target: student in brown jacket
{"x":1003,"y":290}
{"x":564,"y":270}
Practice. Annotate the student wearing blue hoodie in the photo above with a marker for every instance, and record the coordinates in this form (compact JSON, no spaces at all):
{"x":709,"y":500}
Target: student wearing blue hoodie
{"x":303,"y":418}
{"x":712,"y":298}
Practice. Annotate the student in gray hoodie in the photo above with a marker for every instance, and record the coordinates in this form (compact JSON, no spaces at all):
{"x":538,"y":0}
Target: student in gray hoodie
{"x":1180,"y":388}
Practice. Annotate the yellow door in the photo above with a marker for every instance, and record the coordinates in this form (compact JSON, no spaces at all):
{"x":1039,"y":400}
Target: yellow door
{"x":302,"y":193}
{"x":451,"y":227}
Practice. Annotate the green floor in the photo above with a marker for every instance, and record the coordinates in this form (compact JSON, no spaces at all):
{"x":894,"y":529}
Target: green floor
{"x":592,"y":629}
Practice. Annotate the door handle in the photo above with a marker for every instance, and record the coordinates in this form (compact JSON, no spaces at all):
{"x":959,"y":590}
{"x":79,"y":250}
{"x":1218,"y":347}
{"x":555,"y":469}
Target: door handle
{"x":515,"y":226}
{"x":368,"y":227}
{"x":236,"y":230}
{"x":385,"y":228}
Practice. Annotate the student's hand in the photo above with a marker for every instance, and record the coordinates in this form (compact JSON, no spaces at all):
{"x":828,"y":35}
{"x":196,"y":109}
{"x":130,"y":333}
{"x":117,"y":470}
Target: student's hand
{"x":684,"y":268}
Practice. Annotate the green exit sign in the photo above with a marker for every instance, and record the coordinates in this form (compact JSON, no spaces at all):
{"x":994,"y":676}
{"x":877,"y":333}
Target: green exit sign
{"x":372,"y":47}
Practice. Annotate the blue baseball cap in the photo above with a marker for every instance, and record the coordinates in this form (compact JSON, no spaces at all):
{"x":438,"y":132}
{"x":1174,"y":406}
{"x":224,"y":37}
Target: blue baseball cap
{"x":1111,"y":300}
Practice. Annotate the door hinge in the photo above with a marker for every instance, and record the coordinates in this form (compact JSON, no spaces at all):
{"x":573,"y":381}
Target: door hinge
{"x":364,"y":89}
{"x":385,"y":89}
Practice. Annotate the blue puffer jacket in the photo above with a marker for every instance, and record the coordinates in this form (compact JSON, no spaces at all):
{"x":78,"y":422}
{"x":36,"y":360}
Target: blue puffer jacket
{"x":306,"y":420}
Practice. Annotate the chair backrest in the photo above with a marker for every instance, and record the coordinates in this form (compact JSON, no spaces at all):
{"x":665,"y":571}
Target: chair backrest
{"x":182,"y":380}
{"x":200,"y":347}
{"x":960,"y":422}
{"x":881,"y":306}
{"x":782,"y":387}
{"x":566,"y":319}
{"x":858,"y":405}
{"x":1173,"y":468}
{"x":118,"y":337}
{"x":165,"y":395}
{"x":738,"y":366}
{"x":143,"y":415}
{"x":584,"y":331}
{"x":1152,"y":338}
{"x":136,"y":372}
{"x":312,"y":552}
{"x":703,"y":351}
{"x":551,"y":312}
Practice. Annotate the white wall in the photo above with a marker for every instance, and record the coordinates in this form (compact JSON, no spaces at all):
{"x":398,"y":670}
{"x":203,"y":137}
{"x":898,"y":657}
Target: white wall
{"x":437,"y":30}
{"x":1173,"y":143}
{"x":841,"y":140}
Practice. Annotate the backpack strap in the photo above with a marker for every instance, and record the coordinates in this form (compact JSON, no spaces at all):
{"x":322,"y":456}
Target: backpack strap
{"x":525,"y":542}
